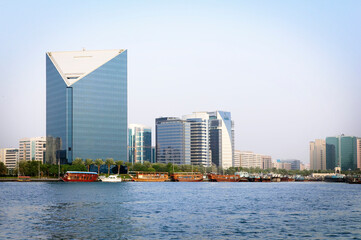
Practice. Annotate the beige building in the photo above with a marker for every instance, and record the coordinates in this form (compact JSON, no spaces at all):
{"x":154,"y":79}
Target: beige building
{"x":359,"y":153}
{"x":237,"y":158}
{"x":255,"y":160}
{"x":318,"y":154}
{"x":267,"y":162}
{"x":32,"y":149}
{"x":9,"y":156}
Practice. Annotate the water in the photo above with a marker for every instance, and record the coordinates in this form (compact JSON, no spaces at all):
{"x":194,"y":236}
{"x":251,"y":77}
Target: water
{"x":180,"y":210}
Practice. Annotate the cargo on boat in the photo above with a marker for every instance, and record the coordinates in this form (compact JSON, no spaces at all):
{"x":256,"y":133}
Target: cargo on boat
{"x":223,"y":178}
{"x":187,"y":177}
{"x":78,"y":176}
{"x":150,"y":176}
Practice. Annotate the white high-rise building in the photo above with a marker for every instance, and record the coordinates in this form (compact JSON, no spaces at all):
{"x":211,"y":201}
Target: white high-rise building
{"x":32,"y":149}
{"x":200,"y":148}
{"x":318,"y":154}
{"x":213,"y":138}
{"x":9,"y":156}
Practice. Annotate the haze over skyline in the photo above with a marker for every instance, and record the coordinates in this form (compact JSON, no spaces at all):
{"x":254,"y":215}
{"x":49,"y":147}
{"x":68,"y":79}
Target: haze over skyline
{"x":287,"y":71}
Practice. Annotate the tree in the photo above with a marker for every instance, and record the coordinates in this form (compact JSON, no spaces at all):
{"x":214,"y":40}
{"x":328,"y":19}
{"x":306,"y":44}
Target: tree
{"x":78,"y":161}
{"x":88,"y":163}
{"x":3,"y":169}
{"x":109,"y":162}
{"x":99,"y":162}
{"x":119,"y":164}
{"x":128,"y":164}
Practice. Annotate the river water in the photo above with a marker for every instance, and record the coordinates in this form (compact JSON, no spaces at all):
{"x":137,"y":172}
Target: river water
{"x":204,"y":210}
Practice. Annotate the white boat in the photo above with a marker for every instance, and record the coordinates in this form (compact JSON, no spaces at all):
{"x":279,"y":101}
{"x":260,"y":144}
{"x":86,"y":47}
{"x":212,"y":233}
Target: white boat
{"x":111,"y":178}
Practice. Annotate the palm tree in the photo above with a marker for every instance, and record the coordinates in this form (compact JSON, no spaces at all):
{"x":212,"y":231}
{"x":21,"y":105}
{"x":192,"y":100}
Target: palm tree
{"x":109,"y":162}
{"x":119,"y":164}
{"x":77,"y":161}
{"x":99,"y":162}
{"x":128,"y":164}
{"x":88,"y":163}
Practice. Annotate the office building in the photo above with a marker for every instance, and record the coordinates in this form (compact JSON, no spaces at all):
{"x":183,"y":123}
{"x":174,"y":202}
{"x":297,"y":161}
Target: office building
{"x":318,"y":154}
{"x":173,"y":137}
{"x":295,"y":164}
{"x":139,"y":143}
{"x":251,"y":160}
{"x":266,"y":162}
{"x":32,"y":149}
{"x":341,"y":151}
{"x":278,"y":164}
{"x":221,"y":134}
{"x":86,"y":105}
{"x":212,"y":139}
{"x":200,"y":147}
{"x":10,"y":157}
{"x":237,"y":158}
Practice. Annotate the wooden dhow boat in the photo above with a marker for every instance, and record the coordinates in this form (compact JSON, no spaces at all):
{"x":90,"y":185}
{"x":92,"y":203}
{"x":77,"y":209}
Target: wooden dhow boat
{"x":187,"y":177}
{"x":150,"y":177}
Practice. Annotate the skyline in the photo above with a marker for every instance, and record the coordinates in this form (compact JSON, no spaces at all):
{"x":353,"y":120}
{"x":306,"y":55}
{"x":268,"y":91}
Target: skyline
{"x":287,"y":72}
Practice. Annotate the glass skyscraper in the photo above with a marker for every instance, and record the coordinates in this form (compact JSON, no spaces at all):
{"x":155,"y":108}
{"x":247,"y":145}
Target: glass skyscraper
{"x":86,"y":105}
{"x":173,"y":140}
{"x":341,"y":151}
{"x":139,"y":143}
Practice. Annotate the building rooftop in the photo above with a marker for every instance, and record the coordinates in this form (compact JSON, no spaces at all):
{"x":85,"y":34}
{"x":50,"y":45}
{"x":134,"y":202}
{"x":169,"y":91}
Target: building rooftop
{"x":74,"y":65}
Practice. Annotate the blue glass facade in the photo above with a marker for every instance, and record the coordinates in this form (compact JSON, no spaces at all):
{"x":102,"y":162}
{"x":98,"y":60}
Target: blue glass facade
{"x":341,"y":152}
{"x":89,"y":116}
{"x":139,"y":144}
{"x":173,"y":141}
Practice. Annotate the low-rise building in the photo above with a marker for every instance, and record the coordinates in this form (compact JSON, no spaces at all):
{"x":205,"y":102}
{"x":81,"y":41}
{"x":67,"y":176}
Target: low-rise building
{"x":10,"y":157}
{"x":32,"y":149}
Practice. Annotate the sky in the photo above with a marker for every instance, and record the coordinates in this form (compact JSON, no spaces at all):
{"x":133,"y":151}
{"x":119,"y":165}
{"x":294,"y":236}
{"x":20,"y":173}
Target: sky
{"x":288,"y":71}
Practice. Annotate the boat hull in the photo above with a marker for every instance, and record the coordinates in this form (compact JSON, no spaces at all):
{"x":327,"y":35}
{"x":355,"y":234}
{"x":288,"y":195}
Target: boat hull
{"x":150,"y":177}
{"x":223,"y":178}
{"x":80,"y":177}
{"x":184,"y":177}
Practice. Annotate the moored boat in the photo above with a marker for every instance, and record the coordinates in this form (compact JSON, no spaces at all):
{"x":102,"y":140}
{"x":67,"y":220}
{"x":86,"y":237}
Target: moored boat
{"x":187,"y":177}
{"x":243,"y":176}
{"x":150,"y":177}
{"x":111,"y":178}
{"x":78,"y":176}
{"x":223,"y":178}
{"x":335,"y":178}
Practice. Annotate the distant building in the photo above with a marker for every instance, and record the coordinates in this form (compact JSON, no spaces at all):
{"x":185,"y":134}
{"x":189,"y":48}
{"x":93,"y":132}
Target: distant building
{"x":221,"y":135}
{"x":10,"y":157}
{"x":295,"y":164}
{"x":318,"y":154}
{"x":153,"y":156}
{"x":266,"y":162}
{"x":173,"y":139}
{"x":139,"y":143}
{"x":341,"y":151}
{"x":200,"y":134}
{"x":359,"y":153}
{"x":86,"y":105}
{"x":237,"y":158}
{"x":212,"y":138}
{"x":252,"y":160}
{"x":32,"y":149}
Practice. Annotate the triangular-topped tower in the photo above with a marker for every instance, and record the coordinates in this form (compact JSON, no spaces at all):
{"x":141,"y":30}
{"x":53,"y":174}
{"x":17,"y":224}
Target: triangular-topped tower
{"x":86,"y":96}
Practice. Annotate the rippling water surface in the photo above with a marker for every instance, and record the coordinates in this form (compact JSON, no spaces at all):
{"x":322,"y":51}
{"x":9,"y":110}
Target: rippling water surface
{"x":130,"y":210}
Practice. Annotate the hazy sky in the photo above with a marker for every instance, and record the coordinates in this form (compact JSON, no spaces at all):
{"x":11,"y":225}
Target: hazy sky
{"x":288,"y":71}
